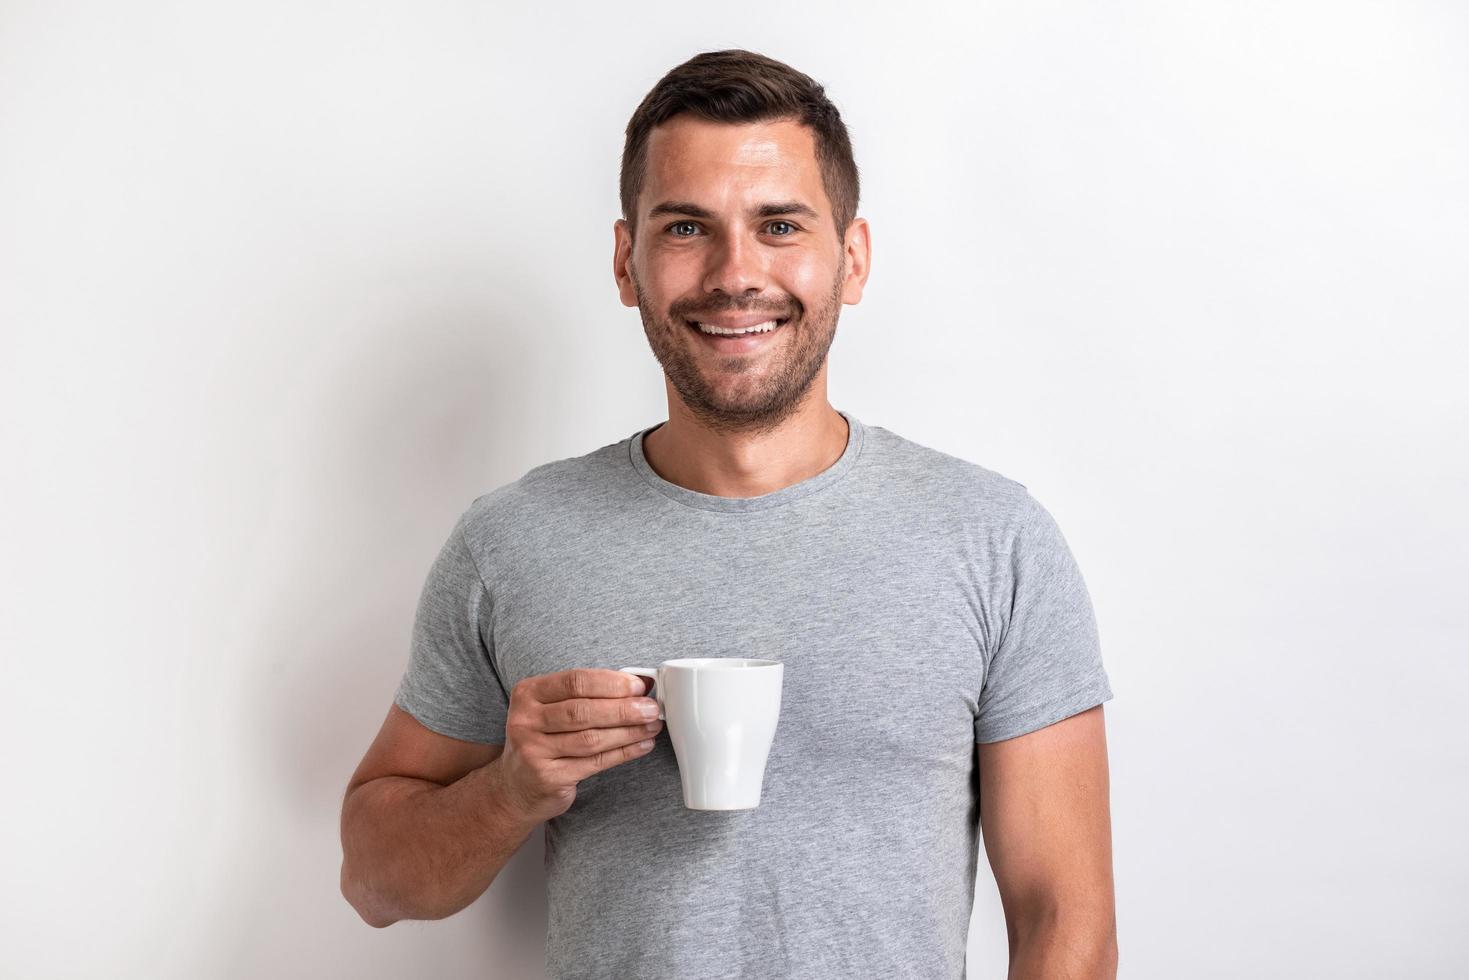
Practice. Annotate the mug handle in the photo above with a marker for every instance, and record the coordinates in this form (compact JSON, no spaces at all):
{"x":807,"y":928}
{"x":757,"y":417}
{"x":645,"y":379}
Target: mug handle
{"x":653,"y":692}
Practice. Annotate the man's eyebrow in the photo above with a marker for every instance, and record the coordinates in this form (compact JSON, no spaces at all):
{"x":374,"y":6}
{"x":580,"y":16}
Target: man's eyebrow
{"x":773,"y":210}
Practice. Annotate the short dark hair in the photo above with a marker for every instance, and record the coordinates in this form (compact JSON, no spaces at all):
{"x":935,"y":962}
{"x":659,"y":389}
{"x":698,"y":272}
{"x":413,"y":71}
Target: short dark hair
{"x":737,"y":86}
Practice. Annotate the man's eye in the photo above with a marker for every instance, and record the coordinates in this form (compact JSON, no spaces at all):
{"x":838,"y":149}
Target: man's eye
{"x":690,"y":224}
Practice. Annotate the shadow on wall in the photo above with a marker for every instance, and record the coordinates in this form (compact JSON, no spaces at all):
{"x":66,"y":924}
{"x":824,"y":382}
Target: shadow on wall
{"x":421,"y":417}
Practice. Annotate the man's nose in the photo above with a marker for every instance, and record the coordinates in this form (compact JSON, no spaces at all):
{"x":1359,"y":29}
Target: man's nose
{"x":736,"y":265}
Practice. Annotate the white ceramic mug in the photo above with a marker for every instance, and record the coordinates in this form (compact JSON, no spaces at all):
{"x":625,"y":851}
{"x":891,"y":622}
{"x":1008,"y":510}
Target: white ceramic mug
{"x":720,"y":713}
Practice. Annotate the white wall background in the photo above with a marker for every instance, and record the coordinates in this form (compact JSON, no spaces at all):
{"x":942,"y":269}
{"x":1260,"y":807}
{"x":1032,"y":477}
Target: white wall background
{"x":284,"y":286}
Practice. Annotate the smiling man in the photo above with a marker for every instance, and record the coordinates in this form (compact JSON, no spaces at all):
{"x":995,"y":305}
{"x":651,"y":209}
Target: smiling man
{"x":740,"y":274}
{"x":943,"y":674}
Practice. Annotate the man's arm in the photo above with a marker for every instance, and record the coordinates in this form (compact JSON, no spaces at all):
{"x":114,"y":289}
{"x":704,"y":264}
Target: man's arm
{"x":1047,"y":829}
{"x":425,"y":824}
{"x":428,"y":820}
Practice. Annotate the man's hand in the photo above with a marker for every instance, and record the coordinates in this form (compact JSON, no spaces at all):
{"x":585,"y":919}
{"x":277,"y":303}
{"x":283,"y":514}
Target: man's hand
{"x":563,"y":727}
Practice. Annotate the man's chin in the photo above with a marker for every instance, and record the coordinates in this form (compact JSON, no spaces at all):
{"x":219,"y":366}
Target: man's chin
{"x":730,"y":408}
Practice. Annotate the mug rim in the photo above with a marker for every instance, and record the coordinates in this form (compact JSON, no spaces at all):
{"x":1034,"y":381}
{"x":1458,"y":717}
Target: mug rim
{"x":718,"y":663}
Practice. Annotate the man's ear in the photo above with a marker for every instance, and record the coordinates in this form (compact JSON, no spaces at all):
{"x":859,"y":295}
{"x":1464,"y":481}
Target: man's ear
{"x":622,"y":246}
{"x":857,"y":255}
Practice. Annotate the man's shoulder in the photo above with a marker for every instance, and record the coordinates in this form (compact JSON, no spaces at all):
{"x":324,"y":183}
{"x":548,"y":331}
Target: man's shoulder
{"x":922,"y":473}
{"x":575,"y":485}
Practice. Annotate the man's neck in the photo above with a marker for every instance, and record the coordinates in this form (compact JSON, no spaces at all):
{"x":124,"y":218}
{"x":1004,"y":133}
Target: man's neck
{"x":687,"y":453}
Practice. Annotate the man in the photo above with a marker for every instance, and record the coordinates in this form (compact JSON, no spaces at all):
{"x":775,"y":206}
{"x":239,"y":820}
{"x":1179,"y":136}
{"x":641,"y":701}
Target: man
{"x":942,"y":667}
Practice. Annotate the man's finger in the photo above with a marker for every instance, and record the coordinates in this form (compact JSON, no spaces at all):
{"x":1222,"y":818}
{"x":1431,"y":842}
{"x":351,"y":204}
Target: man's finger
{"x":585,"y":682}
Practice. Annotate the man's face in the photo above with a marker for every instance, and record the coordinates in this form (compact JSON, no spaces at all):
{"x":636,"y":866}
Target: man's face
{"x":706,"y":251}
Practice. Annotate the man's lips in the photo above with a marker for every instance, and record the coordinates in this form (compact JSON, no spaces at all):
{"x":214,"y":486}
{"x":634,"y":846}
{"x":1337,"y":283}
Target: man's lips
{"x":737,"y":322}
{"x":739,"y":343}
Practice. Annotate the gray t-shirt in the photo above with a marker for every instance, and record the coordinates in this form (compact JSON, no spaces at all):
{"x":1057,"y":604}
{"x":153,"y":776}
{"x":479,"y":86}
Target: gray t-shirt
{"x":920,"y":604}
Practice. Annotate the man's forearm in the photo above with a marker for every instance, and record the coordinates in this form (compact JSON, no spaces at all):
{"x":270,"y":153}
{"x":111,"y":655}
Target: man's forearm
{"x":413,"y":849}
{"x":1059,"y":947}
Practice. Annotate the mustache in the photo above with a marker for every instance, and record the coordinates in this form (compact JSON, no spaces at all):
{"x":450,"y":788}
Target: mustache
{"x":781,"y":313}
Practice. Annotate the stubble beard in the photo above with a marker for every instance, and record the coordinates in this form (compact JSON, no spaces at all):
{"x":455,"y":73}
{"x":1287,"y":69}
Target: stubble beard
{"x":722,"y":392}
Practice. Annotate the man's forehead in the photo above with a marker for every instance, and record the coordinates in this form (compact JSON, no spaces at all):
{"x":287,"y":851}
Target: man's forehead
{"x":689,"y":158}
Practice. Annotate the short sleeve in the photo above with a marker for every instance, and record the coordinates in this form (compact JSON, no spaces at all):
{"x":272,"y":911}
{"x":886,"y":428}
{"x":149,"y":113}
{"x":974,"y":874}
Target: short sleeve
{"x":451,"y":684}
{"x":1047,"y":664}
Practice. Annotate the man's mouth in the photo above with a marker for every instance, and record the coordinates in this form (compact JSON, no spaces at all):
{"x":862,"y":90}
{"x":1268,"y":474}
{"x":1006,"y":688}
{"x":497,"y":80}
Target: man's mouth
{"x":748,"y":337}
{"x":715,"y":330}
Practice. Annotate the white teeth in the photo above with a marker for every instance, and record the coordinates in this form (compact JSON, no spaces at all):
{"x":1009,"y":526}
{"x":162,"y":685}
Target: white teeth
{"x":765,"y":327}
